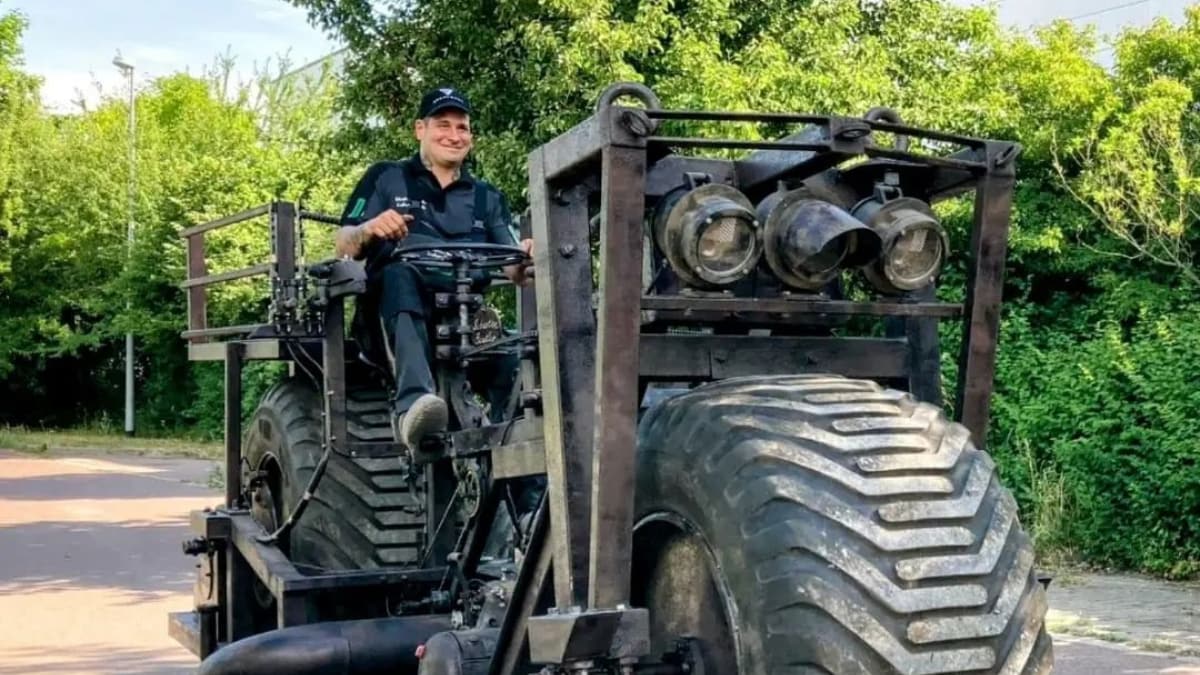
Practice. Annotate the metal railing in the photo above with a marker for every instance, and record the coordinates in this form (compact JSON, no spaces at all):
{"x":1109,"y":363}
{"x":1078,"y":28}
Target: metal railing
{"x":281,"y":268}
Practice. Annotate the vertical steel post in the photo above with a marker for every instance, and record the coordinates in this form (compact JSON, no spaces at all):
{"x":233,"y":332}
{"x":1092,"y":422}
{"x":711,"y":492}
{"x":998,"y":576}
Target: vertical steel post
{"x":924,"y":352}
{"x":284,"y":214}
{"x":333,"y":363}
{"x":623,"y":176}
{"x":239,"y":594}
{"x":234,"y":351}
{"x":197,"y":296}
{"x":985,"y":285}
{"x":567,"y":339}
{"x":526,"y":310}
{"x":293,"y":609}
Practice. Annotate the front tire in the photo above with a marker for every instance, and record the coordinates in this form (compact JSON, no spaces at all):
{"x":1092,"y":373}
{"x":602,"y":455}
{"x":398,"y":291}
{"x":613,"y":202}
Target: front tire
{"x":818,"y":524}
{"x":362,"y":514}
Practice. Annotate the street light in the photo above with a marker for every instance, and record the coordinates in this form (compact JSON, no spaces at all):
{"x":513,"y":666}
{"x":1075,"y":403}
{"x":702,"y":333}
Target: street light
{"x":127,"y":69}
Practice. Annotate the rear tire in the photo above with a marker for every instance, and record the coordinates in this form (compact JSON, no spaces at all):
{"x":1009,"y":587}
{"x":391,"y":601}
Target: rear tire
{"x":840,"y":527}
{"x":361,"y":514}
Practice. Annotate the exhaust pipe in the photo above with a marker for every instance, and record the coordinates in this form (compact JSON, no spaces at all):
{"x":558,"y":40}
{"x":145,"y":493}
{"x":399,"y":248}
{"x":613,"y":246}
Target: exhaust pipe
{"x":364,"y":647}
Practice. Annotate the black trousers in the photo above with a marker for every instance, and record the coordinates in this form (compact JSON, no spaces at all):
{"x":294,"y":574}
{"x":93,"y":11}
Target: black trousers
{"x":405,"y":309}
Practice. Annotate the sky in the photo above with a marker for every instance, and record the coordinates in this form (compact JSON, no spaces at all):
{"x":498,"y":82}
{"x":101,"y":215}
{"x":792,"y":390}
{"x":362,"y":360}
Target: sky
{"x":71,"y":43}
{"x":1109,"y":17}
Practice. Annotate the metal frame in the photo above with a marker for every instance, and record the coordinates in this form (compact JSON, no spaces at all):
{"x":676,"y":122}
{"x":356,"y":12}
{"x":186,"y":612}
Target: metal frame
{"x":591,"y":366}
{"x":583,"y":387}
{"x":228,"y":541}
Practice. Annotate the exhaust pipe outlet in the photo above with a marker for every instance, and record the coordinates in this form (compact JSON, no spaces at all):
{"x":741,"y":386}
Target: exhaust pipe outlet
{"x":364,"y":647}
{"x":465,"y":652}
{"x":807,"y":241}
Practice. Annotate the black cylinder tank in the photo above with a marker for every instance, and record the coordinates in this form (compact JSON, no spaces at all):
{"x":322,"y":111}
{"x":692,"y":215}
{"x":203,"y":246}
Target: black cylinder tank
{"x":362,"y":647}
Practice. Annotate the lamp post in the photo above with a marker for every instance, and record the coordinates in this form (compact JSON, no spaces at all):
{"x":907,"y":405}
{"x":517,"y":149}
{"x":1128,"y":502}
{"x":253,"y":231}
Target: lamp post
{"x":127,"y":69}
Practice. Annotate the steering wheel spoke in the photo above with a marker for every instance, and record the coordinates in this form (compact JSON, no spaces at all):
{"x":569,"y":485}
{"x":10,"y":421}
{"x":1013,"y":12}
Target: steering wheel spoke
{"x":477,"y":256}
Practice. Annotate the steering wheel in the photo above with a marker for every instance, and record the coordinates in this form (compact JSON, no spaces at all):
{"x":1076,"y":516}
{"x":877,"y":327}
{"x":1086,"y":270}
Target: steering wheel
{"x":475,"y":255}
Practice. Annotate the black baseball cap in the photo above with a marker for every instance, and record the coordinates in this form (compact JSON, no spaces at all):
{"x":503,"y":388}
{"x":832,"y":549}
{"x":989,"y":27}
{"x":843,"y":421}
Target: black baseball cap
{"x":443,"y":98}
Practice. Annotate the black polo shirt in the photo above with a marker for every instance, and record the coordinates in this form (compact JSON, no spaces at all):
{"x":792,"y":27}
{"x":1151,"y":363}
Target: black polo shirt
{"x":450,"y":215}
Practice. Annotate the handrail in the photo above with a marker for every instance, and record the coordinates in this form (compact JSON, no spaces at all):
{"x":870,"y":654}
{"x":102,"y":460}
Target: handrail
{"x":251,"y":271}
{"x":222,"y":331}
{"x":280,"y":265}
{"x":227,"y":220}
{"x":320,"y":217}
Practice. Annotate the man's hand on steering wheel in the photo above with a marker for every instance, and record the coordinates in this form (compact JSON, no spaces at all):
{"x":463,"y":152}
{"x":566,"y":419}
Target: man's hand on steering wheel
{"x":522,"y":274}
{"x":390,"y":224}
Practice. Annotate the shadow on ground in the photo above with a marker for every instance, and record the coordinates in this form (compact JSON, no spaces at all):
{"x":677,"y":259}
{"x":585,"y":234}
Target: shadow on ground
{"x":76,"y":483}
{"x":95,"y":658}
{"x":129,"y":555}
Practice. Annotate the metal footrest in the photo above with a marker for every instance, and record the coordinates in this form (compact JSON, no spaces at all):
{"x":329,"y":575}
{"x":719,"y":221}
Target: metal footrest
{"x":184,"y":628}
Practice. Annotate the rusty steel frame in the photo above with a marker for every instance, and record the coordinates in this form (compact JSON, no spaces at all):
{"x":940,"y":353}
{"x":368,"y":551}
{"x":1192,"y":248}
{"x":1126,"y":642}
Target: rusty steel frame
{"x":284,"y":220}
{"x":239,"y":559}
{"x":590,"y":365}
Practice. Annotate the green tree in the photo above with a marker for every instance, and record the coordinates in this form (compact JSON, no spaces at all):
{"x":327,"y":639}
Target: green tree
{"x":203,"y":152}
{"x":19,"y":121}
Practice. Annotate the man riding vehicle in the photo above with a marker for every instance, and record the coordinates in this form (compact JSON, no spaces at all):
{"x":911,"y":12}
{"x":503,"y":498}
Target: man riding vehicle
{"x":425,"y":199}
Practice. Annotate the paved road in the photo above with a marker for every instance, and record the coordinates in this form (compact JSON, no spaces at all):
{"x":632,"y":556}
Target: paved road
{"x":91,"y":563}
{"x":1083,"y":656}
{"x":90,"y":566}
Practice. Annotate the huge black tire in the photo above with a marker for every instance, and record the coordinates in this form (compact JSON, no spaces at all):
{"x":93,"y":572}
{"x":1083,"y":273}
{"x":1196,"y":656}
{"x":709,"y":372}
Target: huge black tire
{"x":829,"y":525}
{"x":362,"y":514}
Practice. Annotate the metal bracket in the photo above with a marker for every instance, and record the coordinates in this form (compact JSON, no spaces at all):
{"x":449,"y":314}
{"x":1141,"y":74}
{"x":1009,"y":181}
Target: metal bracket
{"x":595,"y":635}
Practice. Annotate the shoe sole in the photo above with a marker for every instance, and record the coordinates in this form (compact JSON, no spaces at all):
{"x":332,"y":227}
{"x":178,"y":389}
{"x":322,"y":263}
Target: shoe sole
{"x":428,"y":415}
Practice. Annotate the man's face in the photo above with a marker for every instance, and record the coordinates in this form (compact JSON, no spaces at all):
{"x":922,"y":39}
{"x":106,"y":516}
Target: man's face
{"x":445,"y":137}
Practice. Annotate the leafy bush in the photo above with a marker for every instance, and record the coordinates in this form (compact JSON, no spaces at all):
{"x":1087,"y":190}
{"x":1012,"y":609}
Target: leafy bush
{"x":1095,"y":425}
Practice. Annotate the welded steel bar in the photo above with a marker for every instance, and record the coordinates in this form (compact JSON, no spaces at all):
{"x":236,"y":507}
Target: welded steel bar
{"x":531,"y":582}
{"x":948,"y":162}
{"x":905,"y":130}
{"x":569,"y":151}
{"x":363,"y":579}
{"x":732,"y":116}
{"x":283,"y":215}
{"x":623,"y":173}
{"x":924,"y":350}
{"x":732,"y":143}
{"x":566,"y":350}
{"x":801,"y":306}
{"x":763,"y":168}
{"x":669,"y":172}
{"x":242,"y":329}
{"x":197,"y":297}
{"x":527,"y":321}
{"x":233,"y":423}
{"x":318,"y":217}
{"x":231,"y":275}
{"x":985,"y":284}
{"x":227,"y":220}
{"x":333,"y":364}
{"x":293,"y":609}
{"x":239,"y":595}
{"x":266,"y":562}
{"x":696,"y":358}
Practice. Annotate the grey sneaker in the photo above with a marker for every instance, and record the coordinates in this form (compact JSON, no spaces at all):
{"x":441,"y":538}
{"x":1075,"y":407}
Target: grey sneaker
{"x":427,"y":415}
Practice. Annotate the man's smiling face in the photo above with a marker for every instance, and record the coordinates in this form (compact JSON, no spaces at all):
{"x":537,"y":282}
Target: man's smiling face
{"x":445,"y":137}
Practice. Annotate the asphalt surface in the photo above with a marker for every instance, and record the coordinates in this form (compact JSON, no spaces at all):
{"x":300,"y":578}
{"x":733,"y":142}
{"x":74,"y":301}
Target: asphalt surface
{"x":90,"y":564}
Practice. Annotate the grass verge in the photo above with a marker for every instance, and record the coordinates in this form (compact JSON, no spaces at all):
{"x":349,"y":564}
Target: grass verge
{"x":47,"y":441}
